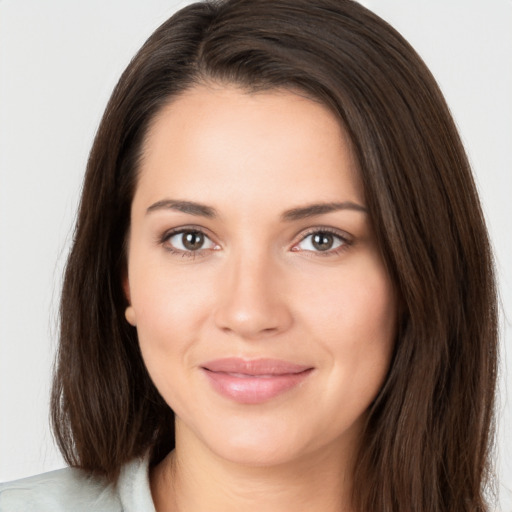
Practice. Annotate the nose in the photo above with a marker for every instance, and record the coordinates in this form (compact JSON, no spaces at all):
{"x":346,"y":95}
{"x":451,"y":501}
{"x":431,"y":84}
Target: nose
{"x":252,"y":301}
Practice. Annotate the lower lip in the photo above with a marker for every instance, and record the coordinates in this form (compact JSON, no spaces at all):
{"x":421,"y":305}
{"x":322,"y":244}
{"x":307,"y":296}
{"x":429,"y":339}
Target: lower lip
{"x":254,"y":389}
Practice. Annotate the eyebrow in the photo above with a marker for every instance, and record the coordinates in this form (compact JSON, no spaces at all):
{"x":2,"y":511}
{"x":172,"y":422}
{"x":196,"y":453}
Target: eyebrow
{"x":190,"y":207}
{"x":303,"y":212}
{"x":320,"y":209}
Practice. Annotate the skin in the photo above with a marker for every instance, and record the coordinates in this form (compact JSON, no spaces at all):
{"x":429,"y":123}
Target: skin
{"x":257,"y":288}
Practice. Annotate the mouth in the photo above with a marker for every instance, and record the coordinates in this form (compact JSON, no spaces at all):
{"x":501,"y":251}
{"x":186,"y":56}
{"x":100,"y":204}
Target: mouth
{"x":254,"y":381}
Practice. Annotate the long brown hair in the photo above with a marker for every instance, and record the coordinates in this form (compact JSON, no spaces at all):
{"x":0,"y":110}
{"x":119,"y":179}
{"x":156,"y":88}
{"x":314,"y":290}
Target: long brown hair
{"x":426,"y":444}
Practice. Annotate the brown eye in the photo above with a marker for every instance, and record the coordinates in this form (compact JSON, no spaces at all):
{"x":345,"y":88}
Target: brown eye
{"x":192,"y":241}
{"x":189,"y":241}
{"x":322,"y":241}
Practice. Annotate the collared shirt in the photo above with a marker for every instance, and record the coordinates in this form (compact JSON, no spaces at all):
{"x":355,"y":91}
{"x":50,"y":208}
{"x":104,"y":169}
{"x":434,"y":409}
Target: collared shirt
{"x":75,"y":490}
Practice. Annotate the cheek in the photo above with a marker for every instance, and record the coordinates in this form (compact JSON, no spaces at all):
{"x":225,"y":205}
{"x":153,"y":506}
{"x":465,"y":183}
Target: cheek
{"x":170,"y":313}
{"x":360,"y":300}
{"x":353,"y":317}
{"x":166,"y":299}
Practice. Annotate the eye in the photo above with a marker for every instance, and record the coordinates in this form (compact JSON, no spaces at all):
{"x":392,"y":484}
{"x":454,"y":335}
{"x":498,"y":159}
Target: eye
{"x":189,"y":240}
{"x":321,"y":241}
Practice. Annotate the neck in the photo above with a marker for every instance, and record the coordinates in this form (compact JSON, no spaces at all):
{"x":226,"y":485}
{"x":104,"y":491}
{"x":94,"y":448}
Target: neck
{"x":194,"y":479}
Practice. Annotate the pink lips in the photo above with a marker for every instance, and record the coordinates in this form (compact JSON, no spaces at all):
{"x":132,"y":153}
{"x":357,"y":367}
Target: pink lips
{"x":254,"y":381}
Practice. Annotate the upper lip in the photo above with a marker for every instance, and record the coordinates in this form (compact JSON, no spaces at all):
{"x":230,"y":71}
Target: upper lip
{"x":254,"y":366}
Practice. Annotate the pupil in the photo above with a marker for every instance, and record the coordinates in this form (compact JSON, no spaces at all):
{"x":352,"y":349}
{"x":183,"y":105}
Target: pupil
{"x":193,"y":240}
{"x":322,"y":241}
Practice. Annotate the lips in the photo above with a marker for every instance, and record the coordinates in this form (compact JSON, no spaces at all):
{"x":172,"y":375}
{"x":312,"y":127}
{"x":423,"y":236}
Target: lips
{"x":254,"y":381}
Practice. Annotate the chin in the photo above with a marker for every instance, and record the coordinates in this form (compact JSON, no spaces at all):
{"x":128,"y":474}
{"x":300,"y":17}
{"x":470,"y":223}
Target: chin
{"x":265,"y":442}
{"x":248,"y":440}
{"x":246,"y":452}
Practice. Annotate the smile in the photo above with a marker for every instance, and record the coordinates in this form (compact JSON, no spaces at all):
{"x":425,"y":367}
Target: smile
{"x":254,"y":381}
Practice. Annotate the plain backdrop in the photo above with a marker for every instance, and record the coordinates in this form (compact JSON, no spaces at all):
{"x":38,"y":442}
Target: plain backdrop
{"x":59,"y":61}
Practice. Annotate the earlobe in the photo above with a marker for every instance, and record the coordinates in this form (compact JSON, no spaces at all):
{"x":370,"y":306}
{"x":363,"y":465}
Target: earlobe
{"x":129,"y":314}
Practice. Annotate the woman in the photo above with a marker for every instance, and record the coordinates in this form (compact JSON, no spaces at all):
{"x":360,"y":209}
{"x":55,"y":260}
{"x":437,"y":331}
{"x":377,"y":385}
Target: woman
{"x":280,"y":294}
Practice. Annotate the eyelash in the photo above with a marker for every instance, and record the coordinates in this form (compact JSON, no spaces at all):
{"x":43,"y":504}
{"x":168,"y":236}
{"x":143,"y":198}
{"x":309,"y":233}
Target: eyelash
{"x":179,"y":252}
{"x":345,"y":240}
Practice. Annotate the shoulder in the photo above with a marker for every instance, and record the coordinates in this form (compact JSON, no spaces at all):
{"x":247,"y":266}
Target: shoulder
{"x":76,"y":490}
{"x":65,"y":489}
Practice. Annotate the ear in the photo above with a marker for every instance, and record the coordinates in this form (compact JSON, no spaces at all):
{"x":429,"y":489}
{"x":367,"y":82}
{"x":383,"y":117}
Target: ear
{"x":126,"y":286}
{"x":129,"y":312}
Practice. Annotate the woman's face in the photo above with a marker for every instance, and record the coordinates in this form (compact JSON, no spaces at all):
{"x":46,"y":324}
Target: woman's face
{"x":265,"y":314}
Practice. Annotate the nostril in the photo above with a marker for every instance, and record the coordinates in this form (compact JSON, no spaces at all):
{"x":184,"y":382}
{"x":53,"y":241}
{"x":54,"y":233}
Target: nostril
{"x":248,"y":304}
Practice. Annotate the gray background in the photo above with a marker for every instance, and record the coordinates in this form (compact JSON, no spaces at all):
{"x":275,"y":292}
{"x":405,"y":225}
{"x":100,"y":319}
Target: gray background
{"x":59,"y":60}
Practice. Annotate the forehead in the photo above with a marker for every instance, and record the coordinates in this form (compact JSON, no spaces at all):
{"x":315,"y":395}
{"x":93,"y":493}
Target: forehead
{"x":221,"y":139}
